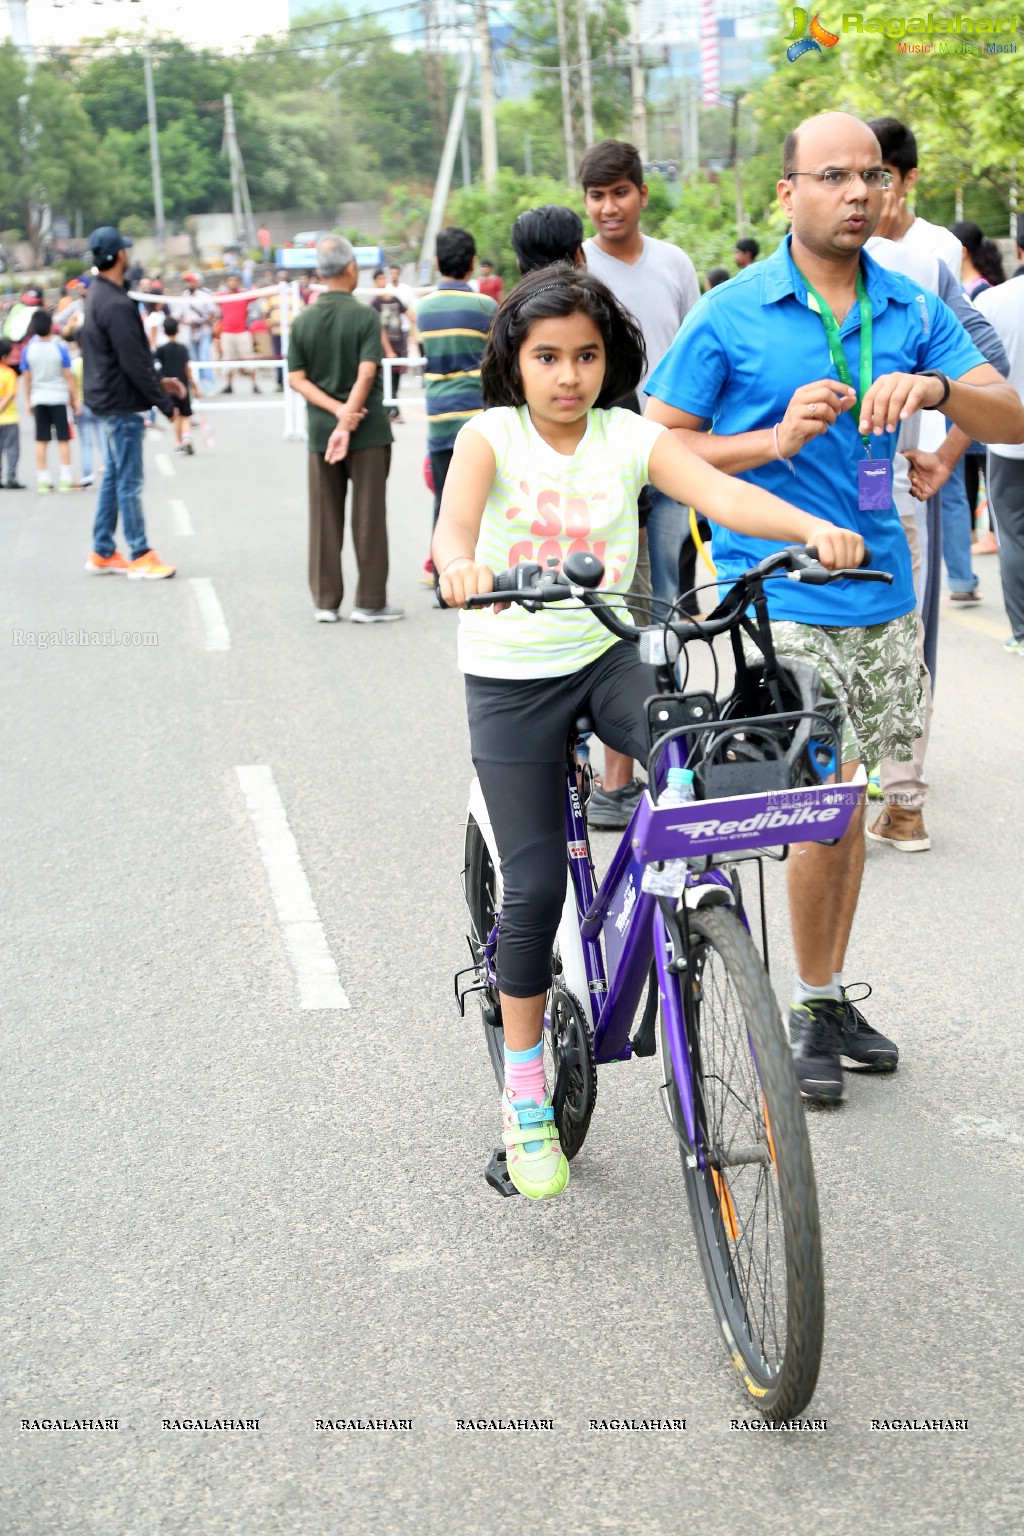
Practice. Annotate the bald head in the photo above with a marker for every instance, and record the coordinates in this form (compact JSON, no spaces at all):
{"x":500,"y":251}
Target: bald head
{"x":824,"y":137}
{"x":831,"y":190}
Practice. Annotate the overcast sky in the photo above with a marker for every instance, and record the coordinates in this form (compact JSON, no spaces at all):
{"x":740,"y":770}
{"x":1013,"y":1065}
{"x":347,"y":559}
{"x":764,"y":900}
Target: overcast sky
{"x":202,"y":23}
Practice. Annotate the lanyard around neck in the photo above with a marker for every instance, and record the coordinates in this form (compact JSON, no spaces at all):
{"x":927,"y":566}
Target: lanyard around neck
{"x":835,"y":345}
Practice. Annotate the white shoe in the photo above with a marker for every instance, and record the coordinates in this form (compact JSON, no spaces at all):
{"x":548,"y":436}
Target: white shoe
{"x":326,"y":615}
{"x":383,"y":615}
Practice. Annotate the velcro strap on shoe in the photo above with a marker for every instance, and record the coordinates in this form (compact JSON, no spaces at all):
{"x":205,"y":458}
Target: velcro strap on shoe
{"x":535,"y":1116}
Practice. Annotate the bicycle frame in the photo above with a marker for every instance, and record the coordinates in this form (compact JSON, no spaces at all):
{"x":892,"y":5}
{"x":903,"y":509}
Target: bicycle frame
{"x":608,"y":939}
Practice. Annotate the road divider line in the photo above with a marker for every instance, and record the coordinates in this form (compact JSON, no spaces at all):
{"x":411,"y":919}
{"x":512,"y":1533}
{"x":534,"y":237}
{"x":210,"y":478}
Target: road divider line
{"x":212,"y":614}
{"x":182,"y":521}
{"x":301,"y":928}
{"x":164,"y":465}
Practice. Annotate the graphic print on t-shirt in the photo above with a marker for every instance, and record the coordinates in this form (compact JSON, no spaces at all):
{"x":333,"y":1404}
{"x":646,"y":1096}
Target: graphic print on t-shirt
{"x":562,"y":526}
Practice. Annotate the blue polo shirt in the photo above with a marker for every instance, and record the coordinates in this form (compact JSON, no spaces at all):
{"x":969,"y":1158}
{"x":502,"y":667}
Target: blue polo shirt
{"x":737,"y":360}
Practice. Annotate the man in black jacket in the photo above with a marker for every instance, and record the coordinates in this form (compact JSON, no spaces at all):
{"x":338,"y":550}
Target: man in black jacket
{"x":120,"y":382}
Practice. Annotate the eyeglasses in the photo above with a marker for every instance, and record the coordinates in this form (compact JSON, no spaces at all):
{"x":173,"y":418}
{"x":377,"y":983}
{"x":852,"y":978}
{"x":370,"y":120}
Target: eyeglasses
{"x":872,"y":179}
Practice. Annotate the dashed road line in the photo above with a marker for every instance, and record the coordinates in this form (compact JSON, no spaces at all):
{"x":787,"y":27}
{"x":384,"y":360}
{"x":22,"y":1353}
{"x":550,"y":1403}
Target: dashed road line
{"x":303,"y":933}
{"x":164,"y":465}
{"x":216,"y":637}
{"x":182,"y":520}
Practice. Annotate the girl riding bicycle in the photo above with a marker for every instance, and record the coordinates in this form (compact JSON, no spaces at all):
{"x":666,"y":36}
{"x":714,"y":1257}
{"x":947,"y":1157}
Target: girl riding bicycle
{"x":552,"y":467}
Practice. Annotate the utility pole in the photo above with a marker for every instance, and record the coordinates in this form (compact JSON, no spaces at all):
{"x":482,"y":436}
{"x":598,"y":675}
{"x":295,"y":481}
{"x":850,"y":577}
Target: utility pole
{"x":636,"y":80}
{"x":442,"y":185}
{"x":488,"y":128}
{"x":154,"y":152}
{"x":563,"y":70}
{"x":241,"y":208}
{"x":586,"y":83}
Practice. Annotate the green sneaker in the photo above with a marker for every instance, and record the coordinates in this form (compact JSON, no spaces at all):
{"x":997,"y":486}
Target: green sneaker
{"x":1013,"y":646}
{"x":536,"y":1164}
{"x":875,"y":783}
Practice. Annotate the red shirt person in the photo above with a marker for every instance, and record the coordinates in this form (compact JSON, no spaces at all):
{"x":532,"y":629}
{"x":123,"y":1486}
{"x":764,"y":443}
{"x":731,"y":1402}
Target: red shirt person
{"x":235,"y":336}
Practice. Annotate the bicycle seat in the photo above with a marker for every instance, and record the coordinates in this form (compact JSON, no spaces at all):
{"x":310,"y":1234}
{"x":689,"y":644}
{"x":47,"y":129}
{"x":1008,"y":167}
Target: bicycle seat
{"x":583,"y":725}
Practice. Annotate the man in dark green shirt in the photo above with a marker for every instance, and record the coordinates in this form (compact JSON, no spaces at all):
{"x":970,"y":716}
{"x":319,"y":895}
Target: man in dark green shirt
{"x":334,"y":356}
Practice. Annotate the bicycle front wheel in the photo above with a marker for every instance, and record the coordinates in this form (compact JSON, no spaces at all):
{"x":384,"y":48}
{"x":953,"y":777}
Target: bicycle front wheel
{"x":753,"y":1203}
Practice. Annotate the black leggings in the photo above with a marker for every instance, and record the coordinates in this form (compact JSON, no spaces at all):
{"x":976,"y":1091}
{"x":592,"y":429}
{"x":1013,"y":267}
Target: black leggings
{"x":518,"y":733}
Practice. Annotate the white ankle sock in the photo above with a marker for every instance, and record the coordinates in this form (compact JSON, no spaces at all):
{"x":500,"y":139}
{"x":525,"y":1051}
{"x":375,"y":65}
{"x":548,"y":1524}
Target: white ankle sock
{"x":802,"y":993}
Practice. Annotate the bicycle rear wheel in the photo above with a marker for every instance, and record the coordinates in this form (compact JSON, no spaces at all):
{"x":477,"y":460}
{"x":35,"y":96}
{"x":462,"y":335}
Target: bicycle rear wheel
{"x":568,"y":1047}
{"x":754,"y":1203}
{"x":482,"y":900}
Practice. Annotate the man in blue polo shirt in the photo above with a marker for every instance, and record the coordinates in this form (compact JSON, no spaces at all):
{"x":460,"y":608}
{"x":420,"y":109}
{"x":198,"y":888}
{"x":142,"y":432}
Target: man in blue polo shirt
{"x":804,"y":365}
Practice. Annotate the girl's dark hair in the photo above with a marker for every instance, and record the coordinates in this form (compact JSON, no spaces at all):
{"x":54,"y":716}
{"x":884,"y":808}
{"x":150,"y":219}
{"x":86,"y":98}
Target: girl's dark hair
{"x":982,"y":251}
{"x":552,"y":293}
{"x":41,"y":323}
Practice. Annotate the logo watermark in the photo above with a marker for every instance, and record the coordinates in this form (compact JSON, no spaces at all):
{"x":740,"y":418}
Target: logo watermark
{"x":810,"y":37}
{"x":47,"y":639}
{"x":930,"y":33}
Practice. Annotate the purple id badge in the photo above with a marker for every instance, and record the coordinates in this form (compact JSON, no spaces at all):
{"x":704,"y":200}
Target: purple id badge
{"x":874,"y":485}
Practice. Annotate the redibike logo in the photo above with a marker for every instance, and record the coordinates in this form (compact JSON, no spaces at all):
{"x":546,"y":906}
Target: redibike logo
{"x":766,"y":821}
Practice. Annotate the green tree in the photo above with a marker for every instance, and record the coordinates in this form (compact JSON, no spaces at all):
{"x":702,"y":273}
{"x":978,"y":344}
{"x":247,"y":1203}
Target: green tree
{"x":52,"y":157}
{"x":535,"y":42}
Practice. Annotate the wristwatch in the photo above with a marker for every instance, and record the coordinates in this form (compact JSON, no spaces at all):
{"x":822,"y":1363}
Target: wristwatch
{"x":934,"y":373}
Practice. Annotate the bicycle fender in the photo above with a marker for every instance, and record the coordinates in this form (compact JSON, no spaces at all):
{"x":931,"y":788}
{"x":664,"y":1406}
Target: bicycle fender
{"x":570,"y":948}
{"x":477,"y":808}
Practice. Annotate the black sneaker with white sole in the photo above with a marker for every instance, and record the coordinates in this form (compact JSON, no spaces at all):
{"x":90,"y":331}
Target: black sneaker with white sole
{"x":862,"y":1048}
{"x":610,"y":810}
{"x":816,"y":1030}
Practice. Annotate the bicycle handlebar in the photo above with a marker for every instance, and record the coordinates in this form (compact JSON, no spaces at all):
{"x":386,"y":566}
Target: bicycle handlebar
{"x":534,"y":587}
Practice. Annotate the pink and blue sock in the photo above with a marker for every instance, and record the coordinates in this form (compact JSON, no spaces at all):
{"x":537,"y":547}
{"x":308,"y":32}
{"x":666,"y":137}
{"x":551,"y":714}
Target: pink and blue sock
{"x":524,"y":1074}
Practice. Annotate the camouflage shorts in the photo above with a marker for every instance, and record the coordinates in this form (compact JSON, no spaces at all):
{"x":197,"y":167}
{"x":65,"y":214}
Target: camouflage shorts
{"x":875,"y":673}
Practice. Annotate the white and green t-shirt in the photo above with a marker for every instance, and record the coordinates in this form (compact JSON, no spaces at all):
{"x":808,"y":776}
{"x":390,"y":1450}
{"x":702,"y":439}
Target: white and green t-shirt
{"x":542,"y":504}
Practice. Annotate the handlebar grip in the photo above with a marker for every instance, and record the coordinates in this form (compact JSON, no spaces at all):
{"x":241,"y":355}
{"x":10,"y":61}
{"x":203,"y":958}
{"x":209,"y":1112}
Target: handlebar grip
{"x":812,"y":553}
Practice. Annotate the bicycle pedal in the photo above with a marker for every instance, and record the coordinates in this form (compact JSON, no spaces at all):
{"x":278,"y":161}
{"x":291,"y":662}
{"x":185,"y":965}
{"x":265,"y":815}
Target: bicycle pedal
{"x":497,"y":1175}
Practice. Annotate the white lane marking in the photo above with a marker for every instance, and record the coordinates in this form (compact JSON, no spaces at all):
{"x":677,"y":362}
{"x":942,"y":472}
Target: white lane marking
{"x":984,"y":1129}
{"x":164,"y":465}
{"x":211,"y":613}
{"x":182,"y":521}
{"x":304,"y":937}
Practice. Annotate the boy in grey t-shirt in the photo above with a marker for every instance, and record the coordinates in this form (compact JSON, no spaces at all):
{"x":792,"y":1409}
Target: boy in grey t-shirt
{"x":658,"y":284}
{"x":46,"y":364}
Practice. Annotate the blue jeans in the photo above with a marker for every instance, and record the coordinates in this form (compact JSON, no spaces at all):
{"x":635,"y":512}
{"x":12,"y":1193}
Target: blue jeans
{"x":956,"y":533}
{"x":89,"y":436}
{"x":121,"y":491}
{"x":199,"y":351}
{"x":667,"y":527}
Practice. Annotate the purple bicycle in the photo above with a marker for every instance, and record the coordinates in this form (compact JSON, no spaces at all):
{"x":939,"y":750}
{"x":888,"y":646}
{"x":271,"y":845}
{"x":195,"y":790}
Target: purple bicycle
{"x":765,"y":765}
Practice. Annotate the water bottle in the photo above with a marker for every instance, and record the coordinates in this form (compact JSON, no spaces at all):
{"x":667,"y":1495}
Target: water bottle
{"x":669,"y":879}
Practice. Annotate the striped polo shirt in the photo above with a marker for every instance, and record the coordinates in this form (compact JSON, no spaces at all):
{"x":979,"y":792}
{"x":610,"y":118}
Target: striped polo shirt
{"x":453,"y":323}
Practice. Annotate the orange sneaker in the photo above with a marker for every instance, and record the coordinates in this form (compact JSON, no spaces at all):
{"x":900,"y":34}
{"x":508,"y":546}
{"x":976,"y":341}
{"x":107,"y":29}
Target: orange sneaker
{"x":98,"y":564}
{"x":149,"y":567}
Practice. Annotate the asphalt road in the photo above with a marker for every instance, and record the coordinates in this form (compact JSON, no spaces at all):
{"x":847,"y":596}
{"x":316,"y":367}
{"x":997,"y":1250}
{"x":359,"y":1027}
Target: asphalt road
{"x":219,"y":1204}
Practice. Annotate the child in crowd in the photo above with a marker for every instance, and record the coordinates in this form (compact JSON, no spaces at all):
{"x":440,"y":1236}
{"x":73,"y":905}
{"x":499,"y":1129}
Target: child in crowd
{"x":551,"y":466}
{"x":46,"y":364}
{"x":172,"y":361}
{"x":10,"y":430}
{"x":86,"y":425}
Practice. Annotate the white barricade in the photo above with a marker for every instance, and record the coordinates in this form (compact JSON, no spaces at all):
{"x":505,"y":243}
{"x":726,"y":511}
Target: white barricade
{"x":293,"y":403}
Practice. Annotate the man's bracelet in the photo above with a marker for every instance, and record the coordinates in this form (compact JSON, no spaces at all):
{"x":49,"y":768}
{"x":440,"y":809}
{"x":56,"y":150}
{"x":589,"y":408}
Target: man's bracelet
{"x":934,"y":373}
{"x":778,"y":451}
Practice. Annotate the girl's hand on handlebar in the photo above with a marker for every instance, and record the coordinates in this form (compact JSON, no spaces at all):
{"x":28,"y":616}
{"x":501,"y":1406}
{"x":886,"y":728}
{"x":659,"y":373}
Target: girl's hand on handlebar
{"x":838,"y":548}
{"x":464,"y":579}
